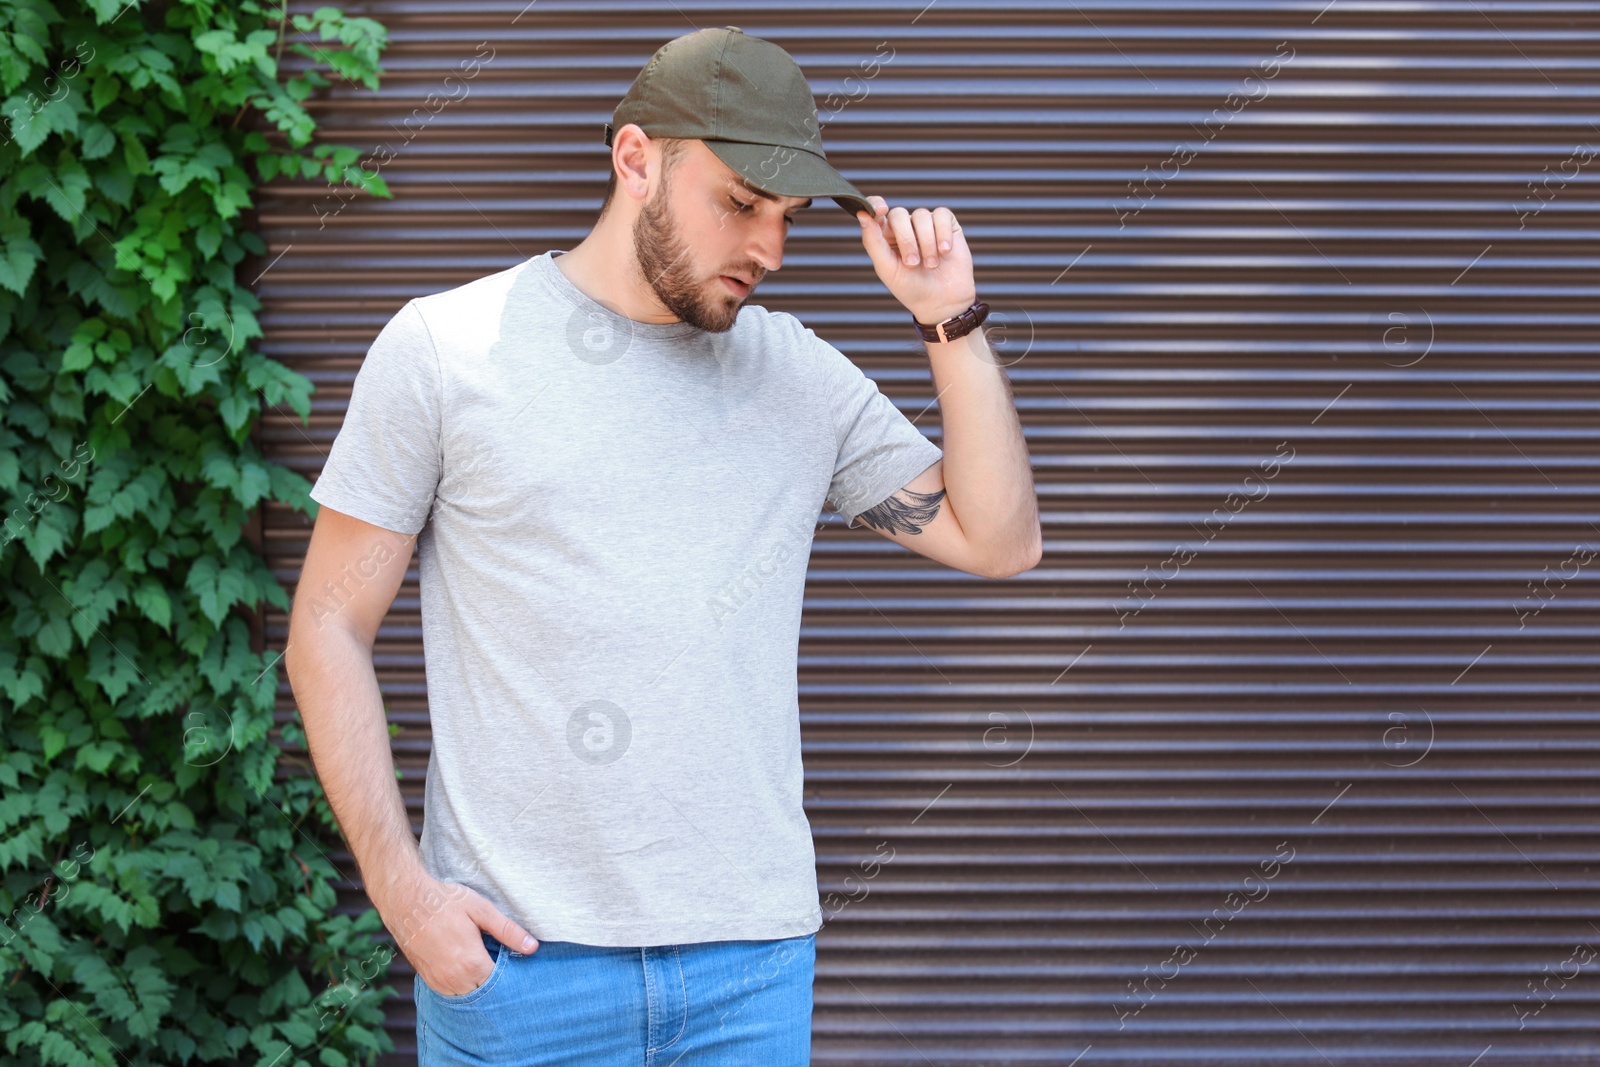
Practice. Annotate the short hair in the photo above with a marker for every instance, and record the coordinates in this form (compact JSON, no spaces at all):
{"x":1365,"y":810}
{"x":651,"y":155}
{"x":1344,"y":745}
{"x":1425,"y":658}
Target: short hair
{"x":672,"y":150}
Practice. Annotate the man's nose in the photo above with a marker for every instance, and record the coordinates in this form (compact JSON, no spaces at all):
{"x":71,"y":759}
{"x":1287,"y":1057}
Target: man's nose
{"x":766,"y":246}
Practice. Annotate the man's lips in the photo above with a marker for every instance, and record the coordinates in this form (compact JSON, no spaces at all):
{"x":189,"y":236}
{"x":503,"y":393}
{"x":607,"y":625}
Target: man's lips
{"x":738,"y":287}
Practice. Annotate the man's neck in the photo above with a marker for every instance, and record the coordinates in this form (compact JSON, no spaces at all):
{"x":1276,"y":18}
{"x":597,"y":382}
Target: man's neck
{"x":603,"y":267}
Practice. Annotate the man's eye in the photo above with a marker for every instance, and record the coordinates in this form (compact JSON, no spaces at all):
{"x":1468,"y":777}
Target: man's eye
{"x":740,"y":204}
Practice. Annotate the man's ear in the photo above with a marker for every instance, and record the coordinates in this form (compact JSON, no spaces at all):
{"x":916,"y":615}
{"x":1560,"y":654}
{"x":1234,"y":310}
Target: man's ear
{"x":630,"y":158}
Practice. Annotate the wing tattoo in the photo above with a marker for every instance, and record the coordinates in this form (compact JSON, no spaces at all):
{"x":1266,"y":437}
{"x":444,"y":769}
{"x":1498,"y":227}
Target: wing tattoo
{"x":906,"y":511}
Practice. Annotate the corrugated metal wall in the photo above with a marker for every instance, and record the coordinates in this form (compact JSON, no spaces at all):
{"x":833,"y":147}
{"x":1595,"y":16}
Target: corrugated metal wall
{"x":1286,"y":753}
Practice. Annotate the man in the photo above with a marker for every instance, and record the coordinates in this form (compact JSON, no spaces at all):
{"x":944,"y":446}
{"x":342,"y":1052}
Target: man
{"x":613,"y":466}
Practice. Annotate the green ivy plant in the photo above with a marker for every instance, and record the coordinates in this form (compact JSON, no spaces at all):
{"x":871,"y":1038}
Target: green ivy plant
{"x":166,"y":895}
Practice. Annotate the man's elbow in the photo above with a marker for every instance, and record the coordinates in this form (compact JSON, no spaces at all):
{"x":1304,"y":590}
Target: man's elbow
{"x":1014,"y":564}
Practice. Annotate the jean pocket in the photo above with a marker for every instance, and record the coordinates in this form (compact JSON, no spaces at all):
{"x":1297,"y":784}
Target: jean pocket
{"x":501,"y":955}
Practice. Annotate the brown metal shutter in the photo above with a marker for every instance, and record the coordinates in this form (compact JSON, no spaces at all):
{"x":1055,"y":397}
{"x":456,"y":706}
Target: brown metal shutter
{"x":1286,"y":752}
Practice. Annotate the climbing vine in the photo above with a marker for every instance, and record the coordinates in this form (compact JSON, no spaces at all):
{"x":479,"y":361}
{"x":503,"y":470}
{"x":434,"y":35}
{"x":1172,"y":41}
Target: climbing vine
{"x":165,"y":883}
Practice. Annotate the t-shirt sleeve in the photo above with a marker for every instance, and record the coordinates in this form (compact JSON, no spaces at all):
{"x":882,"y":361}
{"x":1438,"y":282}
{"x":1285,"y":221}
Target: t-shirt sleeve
{"x":384,"y":465}
{"x":880,"y":450}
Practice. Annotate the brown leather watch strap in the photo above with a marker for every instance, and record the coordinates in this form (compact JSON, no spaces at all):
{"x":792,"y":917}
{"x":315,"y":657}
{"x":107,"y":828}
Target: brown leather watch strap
{"x":954,"y":327}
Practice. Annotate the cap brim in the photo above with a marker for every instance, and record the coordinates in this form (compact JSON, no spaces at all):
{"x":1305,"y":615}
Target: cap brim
{"x":790,"y":172}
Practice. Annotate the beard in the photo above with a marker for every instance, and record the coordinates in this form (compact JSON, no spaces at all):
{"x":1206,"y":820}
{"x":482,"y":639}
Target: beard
{"x":663,"y":256}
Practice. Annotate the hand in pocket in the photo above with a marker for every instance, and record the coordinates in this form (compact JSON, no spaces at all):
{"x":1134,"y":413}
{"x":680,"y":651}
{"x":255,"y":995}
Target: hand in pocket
{"x":440,"y":927}
{"x":478,"y":972}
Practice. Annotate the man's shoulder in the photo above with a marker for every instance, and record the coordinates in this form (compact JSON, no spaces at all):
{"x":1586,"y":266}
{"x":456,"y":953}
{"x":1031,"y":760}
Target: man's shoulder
{"x":489,"y":291}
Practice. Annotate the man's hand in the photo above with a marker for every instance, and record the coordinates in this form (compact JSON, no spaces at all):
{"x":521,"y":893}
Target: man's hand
{"x":921,"y":257}
{"x":437,"y":924}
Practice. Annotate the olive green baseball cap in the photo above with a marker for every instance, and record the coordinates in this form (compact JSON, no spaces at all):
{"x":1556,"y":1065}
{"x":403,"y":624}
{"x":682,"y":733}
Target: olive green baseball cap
{"x":747,"y":99}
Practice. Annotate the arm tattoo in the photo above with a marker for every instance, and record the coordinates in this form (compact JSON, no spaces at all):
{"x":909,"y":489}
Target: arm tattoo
{"x":903,"y":515}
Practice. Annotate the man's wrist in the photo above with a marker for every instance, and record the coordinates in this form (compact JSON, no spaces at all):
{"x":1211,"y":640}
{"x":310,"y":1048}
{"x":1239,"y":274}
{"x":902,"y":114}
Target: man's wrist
{"x":953,"y":327}
{"x":934,"y":316}
{"x":398,"y":882}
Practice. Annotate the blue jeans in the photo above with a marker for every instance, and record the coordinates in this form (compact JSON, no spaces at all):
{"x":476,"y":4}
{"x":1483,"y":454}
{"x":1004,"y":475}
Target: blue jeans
{"x":709,"y":1004}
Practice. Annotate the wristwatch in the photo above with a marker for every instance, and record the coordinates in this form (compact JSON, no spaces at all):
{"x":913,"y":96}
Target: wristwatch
{"x":956,"y":326}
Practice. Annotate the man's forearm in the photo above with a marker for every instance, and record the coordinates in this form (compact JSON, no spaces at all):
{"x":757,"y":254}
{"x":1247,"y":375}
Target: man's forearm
{"x":348,"y":737}
{"x":987,"y":474}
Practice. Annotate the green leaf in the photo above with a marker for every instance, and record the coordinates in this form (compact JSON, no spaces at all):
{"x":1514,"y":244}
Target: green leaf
{"x":113,"y":669}
{"x":151,"y":598}
{"x":105,"y":91}
{"x":98,"y":141}
{"x":52,"y":739}
{"x":255,"y":482}
{"x":9,"y":470}
{"x":45,"y":538}
{"x":94,"y":594}
{"x":237,"y":411}
{"x":274,"y":1054}
{"x":208,"y":238}
{"x":107,"y":10}
{"x":54,"y":637}
{"x":65,"y":189}
{"x":33,"y":121}
{"x":18,"y":255}
{"x":227,"y":896}
{"x":97,"y":755}
{"x":217,"y":587}
{"x":20,"y":682}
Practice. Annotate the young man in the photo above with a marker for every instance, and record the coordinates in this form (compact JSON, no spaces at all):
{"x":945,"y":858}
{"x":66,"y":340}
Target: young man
{"x":613,"y":467}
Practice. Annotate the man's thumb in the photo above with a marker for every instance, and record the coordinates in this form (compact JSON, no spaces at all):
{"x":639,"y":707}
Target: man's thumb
{"x":872,"y":237}
{"x":491,"y":921}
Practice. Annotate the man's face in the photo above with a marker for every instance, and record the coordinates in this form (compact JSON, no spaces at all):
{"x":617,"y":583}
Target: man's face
{"x":704,"y":226}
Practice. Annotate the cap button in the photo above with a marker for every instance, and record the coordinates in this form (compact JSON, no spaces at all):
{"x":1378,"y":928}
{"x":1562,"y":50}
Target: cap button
{"x":735,"y":29}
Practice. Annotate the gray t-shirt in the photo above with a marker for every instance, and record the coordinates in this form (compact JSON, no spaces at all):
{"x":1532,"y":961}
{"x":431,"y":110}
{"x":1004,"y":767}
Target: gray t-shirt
{"x":615,"y":519}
